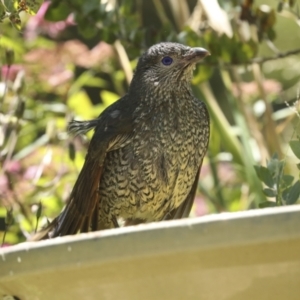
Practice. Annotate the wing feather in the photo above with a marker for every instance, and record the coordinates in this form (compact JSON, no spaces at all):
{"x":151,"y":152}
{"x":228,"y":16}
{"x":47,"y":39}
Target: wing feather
{"x":113,"y":130}
{"x":185,"y":207}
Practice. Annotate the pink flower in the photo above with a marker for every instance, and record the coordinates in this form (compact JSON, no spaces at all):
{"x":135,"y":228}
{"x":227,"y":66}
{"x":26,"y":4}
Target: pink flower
{"x":37,"y":24}
{"x":10,"y":72}
{"x":13,"y":166}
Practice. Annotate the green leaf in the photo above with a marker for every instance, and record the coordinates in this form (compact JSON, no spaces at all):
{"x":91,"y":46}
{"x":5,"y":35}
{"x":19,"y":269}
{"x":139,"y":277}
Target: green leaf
{"x":39,"y":210}
{"x":72,"y":152}
{"x":85,"y":29}
{"x":271,"y":33}
{"x":285,"y":193}
{"x":9,"y":56}
{"x":264,"y":175}
{"x":202,"y":73}
{"x":2,"y":11}
{"x":87,"y":78}
{"x":270,"y":192}
{"x":295,"y":146}
{"x":7,"y":42}
{"x":9,"y":219}
{"x":287,"y":180}
{"x":294,"y":193}
{"x":109,"y":97}
{"x":275,"y":167}
{"x":10,"y":5}
{"x":89,"y":6}
{"x":58,"y":12}
{"x":280,"y":6}
{"x":267,"y":204}
{"x":227,"y":46}
{"x":30,"y":6}
{"x":15,"y":20}
{"x":81,"y":105}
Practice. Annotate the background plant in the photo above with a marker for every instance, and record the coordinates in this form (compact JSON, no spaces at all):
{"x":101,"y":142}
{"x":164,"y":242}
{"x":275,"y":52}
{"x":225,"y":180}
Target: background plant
{"x":76,"y":57}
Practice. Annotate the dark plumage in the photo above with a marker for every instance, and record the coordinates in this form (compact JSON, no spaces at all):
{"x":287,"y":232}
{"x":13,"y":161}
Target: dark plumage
{"x":145,"y":156}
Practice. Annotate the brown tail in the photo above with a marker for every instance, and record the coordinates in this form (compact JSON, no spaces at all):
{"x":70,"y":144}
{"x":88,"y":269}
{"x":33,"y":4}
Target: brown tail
{"x":81,"y":212}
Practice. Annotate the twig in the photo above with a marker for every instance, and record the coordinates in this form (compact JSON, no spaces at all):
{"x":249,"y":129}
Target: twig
{"x":257,"y":60}
{"x":124,"y":60}
{"x":260,"y":60}
{"x":272,"y":46}
{"x":4,"y":236}
{"x":161,"y":12}
{"x":270,"y":127}
{"x":8,"y":222}
{"x":250,"y":119}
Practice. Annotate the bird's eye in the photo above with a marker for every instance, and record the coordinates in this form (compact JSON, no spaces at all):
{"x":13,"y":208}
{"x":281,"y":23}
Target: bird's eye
{"x":167,"y":60}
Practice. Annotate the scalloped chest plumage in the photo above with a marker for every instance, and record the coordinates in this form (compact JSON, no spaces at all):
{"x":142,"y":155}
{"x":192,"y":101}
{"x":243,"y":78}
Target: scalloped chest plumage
{"x":155,"y":169}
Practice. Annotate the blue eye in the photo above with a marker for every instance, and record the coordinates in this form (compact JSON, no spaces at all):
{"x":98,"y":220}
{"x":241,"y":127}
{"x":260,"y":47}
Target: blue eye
{"x":167,"y":60}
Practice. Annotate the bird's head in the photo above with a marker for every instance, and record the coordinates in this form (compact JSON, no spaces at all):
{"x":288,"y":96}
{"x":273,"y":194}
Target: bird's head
{"x":168,"y":64}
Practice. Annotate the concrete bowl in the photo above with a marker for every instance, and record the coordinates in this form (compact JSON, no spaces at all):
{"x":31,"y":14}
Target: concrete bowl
{"x":246,"y":255}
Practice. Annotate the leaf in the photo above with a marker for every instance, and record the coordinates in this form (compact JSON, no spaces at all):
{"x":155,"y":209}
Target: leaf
{"x":72,"y":152}
{"x":287,"y":180}
{"x":270,"y":192}
{"x":58,"y":12}
{"x":109,"y":97}
{"x":275,"y":166}
{"x":87,"y":78}
{"x":202,"y":73}
{"x":250,"y":49}
{"x":295,"y":146}
{"x":15,"y":20}
{"x":227,"y":48}
{"x":2,"y":11}
{"x":9,"y":218}
{"x":280,"y":6}
{"x":267,"y":204}
{"x":285,"y":193}
{"x":9,"y":56}
{"x":39,"y":210}
{"x":81,"y":105}
{"x":294,"y":193}
{"x":85,"y":29}
{"x":264,"y":175}
{"x":89,"y":6}
{"x":10,"y":5}
{"x":7,"y":42}
{"x":30,"y":6}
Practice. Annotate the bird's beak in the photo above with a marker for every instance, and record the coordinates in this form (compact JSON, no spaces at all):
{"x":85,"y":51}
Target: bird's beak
{"x":196,"y":54}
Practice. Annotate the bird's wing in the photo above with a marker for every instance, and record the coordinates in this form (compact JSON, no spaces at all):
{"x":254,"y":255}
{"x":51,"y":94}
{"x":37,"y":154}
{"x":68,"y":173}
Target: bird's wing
{"x":113,"y":129}
{"x":185,"y":207}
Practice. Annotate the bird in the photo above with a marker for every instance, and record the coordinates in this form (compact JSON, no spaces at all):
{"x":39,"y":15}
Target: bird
{"x":145,"y":156}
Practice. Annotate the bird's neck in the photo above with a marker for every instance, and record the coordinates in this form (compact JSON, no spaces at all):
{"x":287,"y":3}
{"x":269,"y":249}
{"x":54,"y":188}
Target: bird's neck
{"x":166,"y":103}
{"x":160,"y":93}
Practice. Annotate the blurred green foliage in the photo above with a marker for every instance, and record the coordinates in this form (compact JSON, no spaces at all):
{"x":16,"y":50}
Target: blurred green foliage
{"x":76,"y":57}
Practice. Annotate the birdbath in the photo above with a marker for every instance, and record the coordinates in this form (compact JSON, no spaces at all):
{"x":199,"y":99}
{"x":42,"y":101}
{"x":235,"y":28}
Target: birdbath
{"x":245,"y":255}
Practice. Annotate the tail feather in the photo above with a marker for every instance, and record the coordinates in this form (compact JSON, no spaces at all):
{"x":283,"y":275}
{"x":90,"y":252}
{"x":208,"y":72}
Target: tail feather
{"x":81,"y":127}
{"x":95,"y":218}
{"x":81,"y":211}
{"x":83,"y":200}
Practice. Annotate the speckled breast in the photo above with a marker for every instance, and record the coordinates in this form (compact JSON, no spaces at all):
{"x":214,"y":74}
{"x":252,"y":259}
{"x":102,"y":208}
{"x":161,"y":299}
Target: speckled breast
{"x":156,"y":170}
